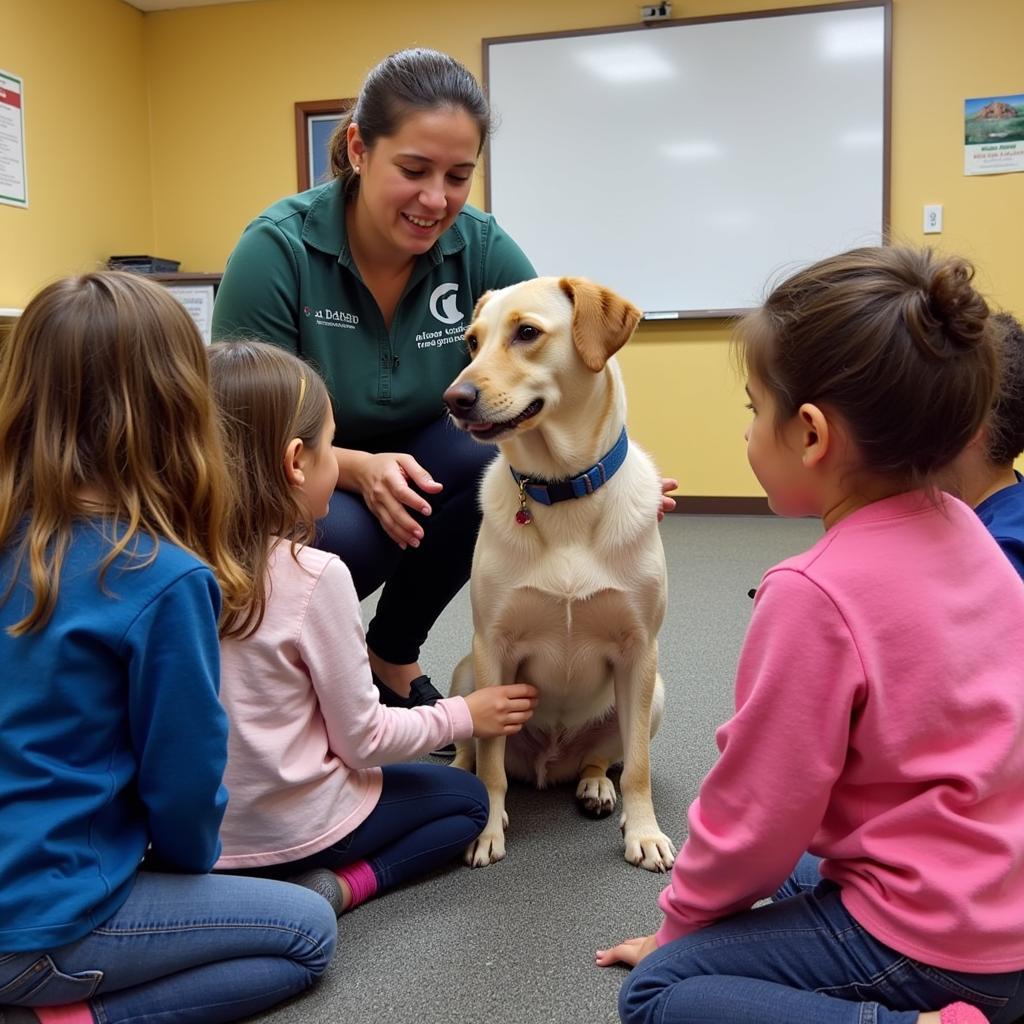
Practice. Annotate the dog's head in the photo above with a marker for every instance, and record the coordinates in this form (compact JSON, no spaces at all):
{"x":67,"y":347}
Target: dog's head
{"x":535,"y":348}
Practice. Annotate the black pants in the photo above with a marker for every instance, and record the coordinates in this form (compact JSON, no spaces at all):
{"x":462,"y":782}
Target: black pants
{"x":418,"y":582}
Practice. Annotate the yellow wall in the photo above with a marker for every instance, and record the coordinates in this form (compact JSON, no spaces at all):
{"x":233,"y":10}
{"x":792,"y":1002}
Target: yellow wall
{"x":222,"y":81}
{"x":86,"y":140}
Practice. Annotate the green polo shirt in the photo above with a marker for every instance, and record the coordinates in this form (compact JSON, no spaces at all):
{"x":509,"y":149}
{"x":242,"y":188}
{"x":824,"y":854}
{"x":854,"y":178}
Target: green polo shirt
{"x":291,"y":280}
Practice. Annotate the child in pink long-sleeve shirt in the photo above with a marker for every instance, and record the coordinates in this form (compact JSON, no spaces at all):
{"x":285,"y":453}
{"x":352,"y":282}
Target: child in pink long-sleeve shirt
{"x":308,"y":799}
{"x":879,"y":701}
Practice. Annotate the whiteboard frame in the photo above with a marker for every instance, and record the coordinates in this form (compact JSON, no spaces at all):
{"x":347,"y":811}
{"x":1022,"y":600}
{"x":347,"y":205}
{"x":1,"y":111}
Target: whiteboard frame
{"x":654,"y":26}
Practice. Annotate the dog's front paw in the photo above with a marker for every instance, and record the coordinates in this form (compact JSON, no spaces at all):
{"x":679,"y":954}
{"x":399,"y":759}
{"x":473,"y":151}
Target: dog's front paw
{"x":487,"y":848}
{"x":597,"y":796}
{"x":653,"y":851}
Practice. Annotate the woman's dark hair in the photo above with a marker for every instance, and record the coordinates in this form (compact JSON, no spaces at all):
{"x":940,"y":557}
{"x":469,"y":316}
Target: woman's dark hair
{"x":1006,"y":423}
{"x":402,"y":84}
{"x":894,"y":340}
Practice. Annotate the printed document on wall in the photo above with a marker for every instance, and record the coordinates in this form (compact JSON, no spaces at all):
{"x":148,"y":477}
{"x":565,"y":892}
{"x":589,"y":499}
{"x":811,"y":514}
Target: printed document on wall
{"x":13,"y":181}
{"x":198,"y":300}
{"x":994,"y":134}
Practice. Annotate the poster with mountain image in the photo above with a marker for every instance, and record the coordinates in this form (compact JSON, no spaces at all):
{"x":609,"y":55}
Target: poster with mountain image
{"x":994,"y":135}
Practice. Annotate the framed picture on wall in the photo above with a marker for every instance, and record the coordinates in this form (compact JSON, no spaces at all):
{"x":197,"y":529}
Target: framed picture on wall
{"x":315,"y":121}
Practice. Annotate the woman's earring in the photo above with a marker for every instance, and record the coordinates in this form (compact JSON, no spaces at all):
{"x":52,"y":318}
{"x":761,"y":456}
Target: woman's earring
{"x":356,"y":168}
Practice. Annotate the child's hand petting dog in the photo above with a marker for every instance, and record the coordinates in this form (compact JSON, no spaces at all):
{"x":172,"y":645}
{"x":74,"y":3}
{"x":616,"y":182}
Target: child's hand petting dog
{"x":501,"y":710}
{"x":668,"y":503}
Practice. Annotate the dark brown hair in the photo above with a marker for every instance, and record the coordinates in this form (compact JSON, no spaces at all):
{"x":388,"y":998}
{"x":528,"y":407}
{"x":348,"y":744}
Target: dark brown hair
{"x":105,"y":410}
{"x":266,"y":397}
{"x":402,"y":84}
{"x":894,"y":340}
{"x":1005,"y":434}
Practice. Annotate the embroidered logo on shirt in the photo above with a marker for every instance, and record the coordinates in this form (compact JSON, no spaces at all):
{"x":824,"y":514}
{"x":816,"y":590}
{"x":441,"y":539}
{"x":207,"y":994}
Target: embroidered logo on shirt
{"x":444,"y":303}
{"x":331,"y":317}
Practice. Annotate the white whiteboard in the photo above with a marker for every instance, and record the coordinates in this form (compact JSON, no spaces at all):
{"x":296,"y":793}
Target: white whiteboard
{"x":685,"y":164}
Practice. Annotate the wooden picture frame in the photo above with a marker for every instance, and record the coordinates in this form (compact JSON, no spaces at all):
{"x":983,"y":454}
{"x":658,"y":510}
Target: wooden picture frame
{"x":315,"y":120}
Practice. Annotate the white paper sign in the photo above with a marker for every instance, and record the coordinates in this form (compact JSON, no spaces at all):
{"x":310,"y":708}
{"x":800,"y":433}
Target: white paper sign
{"x":198,"y":300}
{"x":13,"y":182}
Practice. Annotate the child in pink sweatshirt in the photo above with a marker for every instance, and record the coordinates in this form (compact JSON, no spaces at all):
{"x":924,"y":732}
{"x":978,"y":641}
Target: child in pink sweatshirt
{"x":307,"y":731}
{"x":880,"y":692}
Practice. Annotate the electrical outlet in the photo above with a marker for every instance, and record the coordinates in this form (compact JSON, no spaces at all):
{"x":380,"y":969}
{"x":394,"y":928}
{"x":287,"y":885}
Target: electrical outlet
{"x":655,"y":12}
{"x":933,"y":218}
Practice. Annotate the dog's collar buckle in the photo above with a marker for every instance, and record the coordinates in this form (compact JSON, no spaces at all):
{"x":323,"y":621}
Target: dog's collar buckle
{"x":549,"y":492}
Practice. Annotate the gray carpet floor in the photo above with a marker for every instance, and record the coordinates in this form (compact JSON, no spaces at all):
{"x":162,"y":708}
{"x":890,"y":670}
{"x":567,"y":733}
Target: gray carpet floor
{"x":514,"y":943}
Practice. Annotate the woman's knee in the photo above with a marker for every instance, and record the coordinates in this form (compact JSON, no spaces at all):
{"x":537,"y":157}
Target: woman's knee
{"x":451,"y":456}
{"x":353,"y":533}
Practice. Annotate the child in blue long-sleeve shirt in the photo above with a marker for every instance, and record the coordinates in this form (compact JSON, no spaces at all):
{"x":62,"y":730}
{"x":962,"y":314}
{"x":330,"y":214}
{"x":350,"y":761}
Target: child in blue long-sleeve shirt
{"x":113,"y":504}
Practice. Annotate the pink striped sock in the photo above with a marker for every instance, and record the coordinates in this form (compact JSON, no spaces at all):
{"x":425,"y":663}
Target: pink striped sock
{"x":360,"y":879}
{"x":72,"y":1013}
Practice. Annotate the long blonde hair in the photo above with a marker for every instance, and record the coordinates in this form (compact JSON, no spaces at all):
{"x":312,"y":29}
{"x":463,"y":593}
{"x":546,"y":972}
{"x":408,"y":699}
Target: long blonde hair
{"x":267,"y":397}
{"x":105,"y":410}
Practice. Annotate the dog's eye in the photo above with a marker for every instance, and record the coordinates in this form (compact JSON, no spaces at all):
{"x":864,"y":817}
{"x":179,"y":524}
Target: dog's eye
{"x":527,"y":333}
{"x":471,"y":342}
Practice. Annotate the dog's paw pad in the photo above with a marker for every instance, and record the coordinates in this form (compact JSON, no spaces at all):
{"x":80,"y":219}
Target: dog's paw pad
{"x":596,"y":796}
{"x":652,"y":852}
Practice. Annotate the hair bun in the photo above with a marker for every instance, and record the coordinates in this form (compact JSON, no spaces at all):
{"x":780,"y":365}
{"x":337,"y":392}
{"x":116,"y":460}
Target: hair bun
{"x":954,"y":303}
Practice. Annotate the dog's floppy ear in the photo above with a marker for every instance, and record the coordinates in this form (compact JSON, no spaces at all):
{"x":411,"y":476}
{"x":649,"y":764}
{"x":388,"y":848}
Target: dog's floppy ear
{"x":602,"y":321}
{"x":480,"y":303}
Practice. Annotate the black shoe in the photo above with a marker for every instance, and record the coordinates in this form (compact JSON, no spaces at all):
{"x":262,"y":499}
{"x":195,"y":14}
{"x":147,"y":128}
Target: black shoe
{"x":388,"y":697}
{"x":422,"y":693}
{"x":324,"y":882}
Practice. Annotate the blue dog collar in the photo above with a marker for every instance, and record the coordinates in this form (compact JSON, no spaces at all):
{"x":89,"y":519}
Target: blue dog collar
{"x":549,"y":492}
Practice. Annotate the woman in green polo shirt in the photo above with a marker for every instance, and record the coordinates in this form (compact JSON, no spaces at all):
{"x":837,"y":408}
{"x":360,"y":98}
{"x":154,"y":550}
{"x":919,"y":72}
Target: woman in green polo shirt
{"x":373,"y":278}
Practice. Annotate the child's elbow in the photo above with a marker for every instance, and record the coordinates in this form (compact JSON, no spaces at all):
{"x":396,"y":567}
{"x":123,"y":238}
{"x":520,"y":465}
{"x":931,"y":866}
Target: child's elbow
{"x":366,"y":752}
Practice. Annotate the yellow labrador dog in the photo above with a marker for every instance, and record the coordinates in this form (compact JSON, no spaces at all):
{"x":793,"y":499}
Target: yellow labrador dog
{"x":568,"y":583}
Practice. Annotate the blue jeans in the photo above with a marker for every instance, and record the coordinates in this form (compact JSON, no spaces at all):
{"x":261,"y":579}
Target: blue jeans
{"x":418,"y":582}
{"x":804,"y":960}
{"x":426,"y":816}
{"x":183,"y":949}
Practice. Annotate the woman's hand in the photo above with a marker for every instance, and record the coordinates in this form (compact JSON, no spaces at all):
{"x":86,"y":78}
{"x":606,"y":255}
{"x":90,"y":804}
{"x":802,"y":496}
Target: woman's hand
{"x":668,"y":485}
{"x":501,"y":710}
{"x":384,"y":481}
{"x":630,"y":952}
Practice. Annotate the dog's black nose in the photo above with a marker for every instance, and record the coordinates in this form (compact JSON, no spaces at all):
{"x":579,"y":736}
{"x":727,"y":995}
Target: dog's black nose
{"x":460,"y":398}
